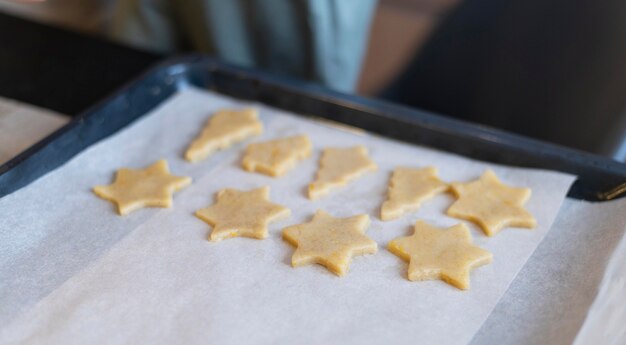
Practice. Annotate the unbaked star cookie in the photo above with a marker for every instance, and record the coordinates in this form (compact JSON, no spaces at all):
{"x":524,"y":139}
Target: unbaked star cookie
{"x":446,"y":254}
{"x":224,"y":128}
{"x":408,"y":188}
{"x":330,"y":241}
{"x":491,"y":204}
{"x":149,"y":187}
{"x":239,"y":213}
{"x":339,"y":166}
{"x":276,"y":157}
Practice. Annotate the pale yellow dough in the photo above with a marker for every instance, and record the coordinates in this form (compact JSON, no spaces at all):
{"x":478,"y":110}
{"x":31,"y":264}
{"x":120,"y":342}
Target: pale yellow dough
{"x":330,"y":241}
{"x":491,"y":204}
{"x":446,"y":254}
{"x":276,"y":157}
{"x":134,"y":189}
{"x":339,"y":166}
{"x":224,"y":128}
{"x":408,"y":188}
{"x":240,"y":213}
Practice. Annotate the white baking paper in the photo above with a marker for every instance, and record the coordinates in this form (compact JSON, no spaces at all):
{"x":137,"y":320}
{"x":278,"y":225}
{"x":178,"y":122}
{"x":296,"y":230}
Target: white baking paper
{"x":73,"y":272}
{"x":551,"y":297}
{"x":606,"y":320}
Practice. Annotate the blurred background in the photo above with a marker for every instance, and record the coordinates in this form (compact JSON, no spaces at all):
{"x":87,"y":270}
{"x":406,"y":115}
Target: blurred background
{"x":549,"y":69}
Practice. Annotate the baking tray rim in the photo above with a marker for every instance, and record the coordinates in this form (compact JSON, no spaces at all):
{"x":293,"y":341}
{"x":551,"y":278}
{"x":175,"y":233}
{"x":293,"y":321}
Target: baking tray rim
{"x":387,"y":110}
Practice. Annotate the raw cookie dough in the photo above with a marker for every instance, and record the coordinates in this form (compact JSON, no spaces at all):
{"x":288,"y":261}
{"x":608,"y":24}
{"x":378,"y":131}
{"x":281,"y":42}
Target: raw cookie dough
{"x":330,"y":241}
{"x":491,"y":204}
{"x":134,"y":189}
{"x":338,"y":166}
{"x":446,"y":254}
{"x":276,"y":157}
{"x":224,"y":128}
{"x":408,"y":188}
{"x":239,"y":213}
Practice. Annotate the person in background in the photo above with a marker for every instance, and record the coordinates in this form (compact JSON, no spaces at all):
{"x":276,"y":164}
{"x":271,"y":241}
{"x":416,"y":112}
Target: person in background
{"x":319,"y":40}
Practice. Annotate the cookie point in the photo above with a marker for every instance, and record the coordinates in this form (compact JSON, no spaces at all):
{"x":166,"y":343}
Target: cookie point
{"x":190,"y":157}
{"x":313,"y":193}
{"x":122,"y":211}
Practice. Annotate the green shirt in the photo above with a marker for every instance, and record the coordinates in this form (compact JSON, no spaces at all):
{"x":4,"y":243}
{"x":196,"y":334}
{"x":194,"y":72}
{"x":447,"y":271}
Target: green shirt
{"x":319,"y":40}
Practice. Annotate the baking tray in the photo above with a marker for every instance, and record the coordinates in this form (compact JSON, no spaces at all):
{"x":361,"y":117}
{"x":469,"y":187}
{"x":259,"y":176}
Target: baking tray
{"x":599,"y":178}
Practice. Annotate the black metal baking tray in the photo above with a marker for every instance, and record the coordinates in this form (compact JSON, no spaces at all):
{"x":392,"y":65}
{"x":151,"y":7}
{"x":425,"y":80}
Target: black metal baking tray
{"x":598,"y":179}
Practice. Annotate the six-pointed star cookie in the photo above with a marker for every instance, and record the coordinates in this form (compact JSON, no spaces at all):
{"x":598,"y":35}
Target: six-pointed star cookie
{"x":435,"y":253}
{"x":338,"y":166}
{"x":276,"y":157}
{"x":239,"y":213}
{"x":330,"y":241}
{"x":224,"y":128}
{"x":408,"y":188}
{"x":134,"y":189}
{"x":491,"y":204}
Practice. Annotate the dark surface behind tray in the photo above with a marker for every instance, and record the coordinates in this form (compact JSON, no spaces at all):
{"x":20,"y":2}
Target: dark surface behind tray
{"x":62,"y":70}
{"x":595,"y":174}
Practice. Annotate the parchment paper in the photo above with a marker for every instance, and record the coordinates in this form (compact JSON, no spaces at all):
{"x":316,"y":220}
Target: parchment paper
{"x":551,"y":297}
{"x":73,"y":272}
{"x":606,"y":319}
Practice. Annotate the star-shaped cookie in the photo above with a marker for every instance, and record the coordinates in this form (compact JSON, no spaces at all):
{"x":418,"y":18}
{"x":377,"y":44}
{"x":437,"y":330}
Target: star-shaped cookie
{"x":446,"y":254}
{"x":491,"y":204}
{"x":224,"y":128}
{"x":239,"y":213}
{"x":408,"y":188}
{"x":330,"y":241}
{"x":339,"y":166}
{"x":276,"y":157}
{"x":149,"y":187}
